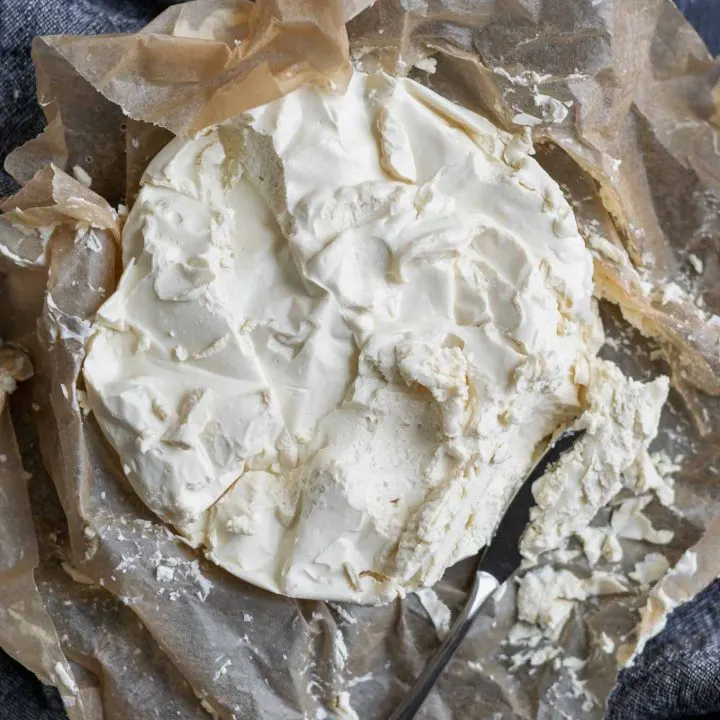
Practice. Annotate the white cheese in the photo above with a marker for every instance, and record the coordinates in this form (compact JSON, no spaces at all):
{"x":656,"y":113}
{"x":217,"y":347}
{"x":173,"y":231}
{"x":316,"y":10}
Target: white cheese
{"x":650,"y":569}
{"x":546,"y":597}
{"x":629,"y":521}
{"x":437,"y":610}
{"x":345,"y":327}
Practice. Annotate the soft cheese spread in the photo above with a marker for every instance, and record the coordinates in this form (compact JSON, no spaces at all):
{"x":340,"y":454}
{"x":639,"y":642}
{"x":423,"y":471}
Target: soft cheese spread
{"x":345,"y":327}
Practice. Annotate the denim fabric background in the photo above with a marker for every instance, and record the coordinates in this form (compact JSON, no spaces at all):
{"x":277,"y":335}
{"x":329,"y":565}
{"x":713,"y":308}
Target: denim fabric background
{"x":678,"y":675}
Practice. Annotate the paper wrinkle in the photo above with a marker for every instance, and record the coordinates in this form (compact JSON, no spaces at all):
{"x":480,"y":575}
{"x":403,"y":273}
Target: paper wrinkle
{"x":638,"y":127}
{"x":695,"y":570}
{"x":208,"y":76}
{"x":26,"y":630}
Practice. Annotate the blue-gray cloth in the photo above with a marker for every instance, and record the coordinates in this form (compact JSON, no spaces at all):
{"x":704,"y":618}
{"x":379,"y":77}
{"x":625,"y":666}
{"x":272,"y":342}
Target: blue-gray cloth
{"x":678,"y":675}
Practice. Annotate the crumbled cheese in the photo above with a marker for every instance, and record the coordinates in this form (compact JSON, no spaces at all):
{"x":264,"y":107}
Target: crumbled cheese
{"x":163,"y":573}
{"x":546,"y":597}
{"x":82,"y":175}
{"x":437,"y":611}
{"x":629,"y":521}
{"x":696,"y":263}
{"x":696,"y":569}
{"x":607,"y":645}
{"x":650,"y":569}
{"x":427,"y":64}
{"x":620,"y":420}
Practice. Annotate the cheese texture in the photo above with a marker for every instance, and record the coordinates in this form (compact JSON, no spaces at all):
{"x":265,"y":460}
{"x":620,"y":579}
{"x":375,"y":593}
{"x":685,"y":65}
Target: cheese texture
{"x":620,"y":420}
{"x":546,"y":597}
{"x":345,"y":327}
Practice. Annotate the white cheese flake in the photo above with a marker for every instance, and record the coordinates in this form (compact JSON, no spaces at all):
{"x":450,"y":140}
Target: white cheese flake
{"x":437,"y":611}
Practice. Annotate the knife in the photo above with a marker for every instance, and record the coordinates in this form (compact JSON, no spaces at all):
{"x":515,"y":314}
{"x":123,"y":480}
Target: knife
{"x":498,"y":563}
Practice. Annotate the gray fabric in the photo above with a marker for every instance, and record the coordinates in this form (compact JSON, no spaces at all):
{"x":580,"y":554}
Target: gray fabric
{"x":23,"y":697}
{"x":20,"y":22}
{"x":678,"y":675}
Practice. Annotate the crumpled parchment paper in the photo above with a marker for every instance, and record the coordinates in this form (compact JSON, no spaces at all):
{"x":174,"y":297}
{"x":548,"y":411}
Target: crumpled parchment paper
{"x":96,"y":596}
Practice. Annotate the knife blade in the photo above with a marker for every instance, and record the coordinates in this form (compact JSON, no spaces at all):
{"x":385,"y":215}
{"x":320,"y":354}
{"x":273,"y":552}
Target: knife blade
{"x":501,"y":557}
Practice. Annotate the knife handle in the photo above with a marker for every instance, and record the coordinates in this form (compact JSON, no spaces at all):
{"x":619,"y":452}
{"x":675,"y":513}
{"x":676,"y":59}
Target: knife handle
{"x":483,"y":586}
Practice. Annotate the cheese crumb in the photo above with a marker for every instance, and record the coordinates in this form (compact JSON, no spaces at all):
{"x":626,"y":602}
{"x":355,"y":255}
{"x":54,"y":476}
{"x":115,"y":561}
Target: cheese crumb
{"x":81,"y":175}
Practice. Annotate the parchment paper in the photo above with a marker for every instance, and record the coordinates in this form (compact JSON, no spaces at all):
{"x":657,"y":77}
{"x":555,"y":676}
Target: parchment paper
{"x":637,"y":154}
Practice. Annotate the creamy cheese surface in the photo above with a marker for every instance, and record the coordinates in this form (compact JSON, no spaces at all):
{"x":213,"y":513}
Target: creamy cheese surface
{"x":345,"y":325}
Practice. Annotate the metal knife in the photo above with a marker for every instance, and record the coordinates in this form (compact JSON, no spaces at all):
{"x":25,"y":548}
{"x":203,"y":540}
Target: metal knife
{"x":498,"y":562}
